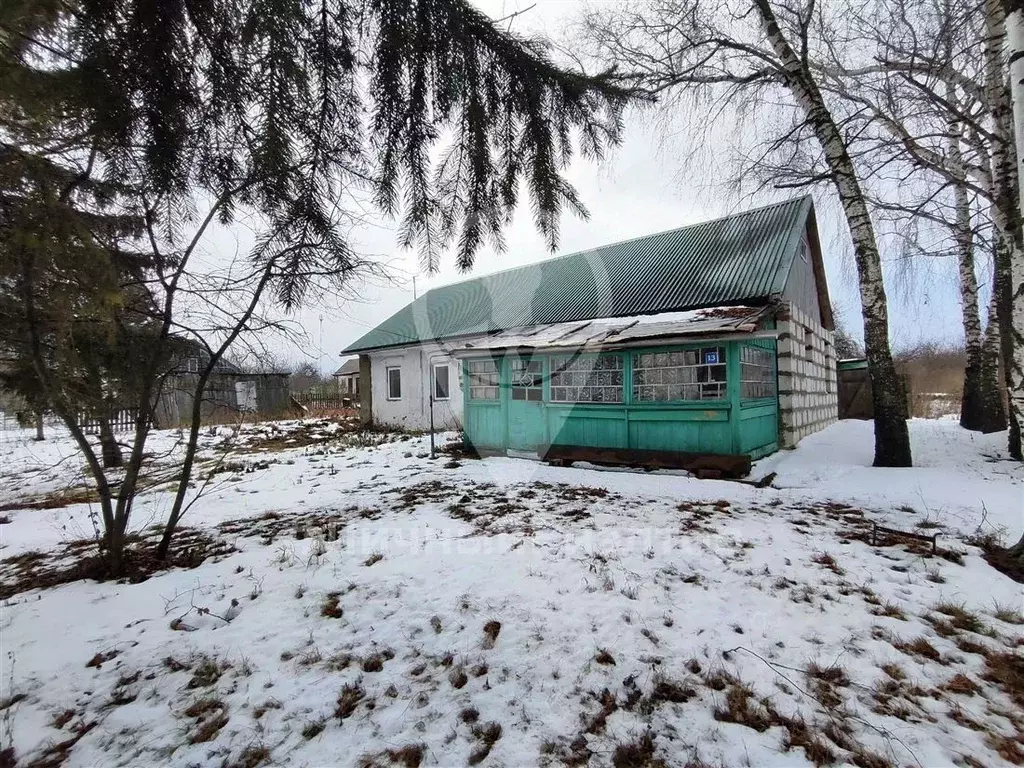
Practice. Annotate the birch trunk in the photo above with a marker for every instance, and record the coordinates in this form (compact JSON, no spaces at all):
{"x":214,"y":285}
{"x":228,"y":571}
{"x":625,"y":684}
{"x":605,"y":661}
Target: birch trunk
{"x":1006,"y":208}
{"x":971,"y":414}
{"x":1015,"y":273}
{"x":991,"y":392}
{"x":892,"y":439}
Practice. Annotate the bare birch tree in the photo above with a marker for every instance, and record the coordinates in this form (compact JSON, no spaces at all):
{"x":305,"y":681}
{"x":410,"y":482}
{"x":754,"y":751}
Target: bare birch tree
{"x":757,"y":52}
{"x":934,"y":92}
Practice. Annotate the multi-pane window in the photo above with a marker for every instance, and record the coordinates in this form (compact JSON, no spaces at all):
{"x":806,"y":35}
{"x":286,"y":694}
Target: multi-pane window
{"x":483,"y":379}
{"x":527,"y":379}
{"x":757,"y":373}
{"x":690,"y":374}
{"x":586,"y":379}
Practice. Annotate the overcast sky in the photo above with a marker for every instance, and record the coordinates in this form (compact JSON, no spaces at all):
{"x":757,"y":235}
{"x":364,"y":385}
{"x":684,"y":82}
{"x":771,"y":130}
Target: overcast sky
{"x":642,"y":188}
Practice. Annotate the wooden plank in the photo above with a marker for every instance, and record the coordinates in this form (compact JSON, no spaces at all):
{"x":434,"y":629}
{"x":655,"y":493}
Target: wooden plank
{"x":876,"y":529}
{"x":706,"y":464}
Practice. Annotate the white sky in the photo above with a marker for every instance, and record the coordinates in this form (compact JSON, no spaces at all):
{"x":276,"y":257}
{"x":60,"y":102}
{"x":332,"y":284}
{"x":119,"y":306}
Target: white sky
{"x":642,"y":188}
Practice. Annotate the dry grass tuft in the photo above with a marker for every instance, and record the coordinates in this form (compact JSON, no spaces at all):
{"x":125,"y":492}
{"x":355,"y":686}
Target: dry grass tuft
{"x":919,"y":646}
{"x":1007,"y":671}
{"x":409,"y":756}
{"x":895,"y":671}
{"x":348,"y":700}
{"x":604,"y":657}
{"x":1008,"y":614}
{"x":827,"y":561}
{"x":961,"y":618}
{"x":206,"y":673}
{"x":491,"y":630}
{"x":608,"y":705}
{"x":799,"y":735}
{"x":374,"y":557}
{"x":469,"y":715}
{"x":833,"y":675}
{"x":253,"y":755}
{"x":962,"y":684}
{"x":637,"y":754}
{"x":1007,"y":747}
{"x":313,"y":728}
{"x":211,"y":715}
{"x":331,"y":607}
{"x":458,"y":677}
{"x":670,"y":690}
{"x":487,"y":736}
{"x":890,"y":610}
{"x":740,"y":708}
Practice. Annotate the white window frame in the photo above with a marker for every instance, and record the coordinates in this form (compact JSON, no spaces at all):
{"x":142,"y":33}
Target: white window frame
{"x":433,"y":380}
{"x":387,"y":381}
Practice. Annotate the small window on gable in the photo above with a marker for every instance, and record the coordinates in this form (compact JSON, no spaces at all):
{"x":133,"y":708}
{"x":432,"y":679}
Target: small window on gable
{"x":394,"y":383}
{"x":805,"y":250}
{"x":442,"y":389}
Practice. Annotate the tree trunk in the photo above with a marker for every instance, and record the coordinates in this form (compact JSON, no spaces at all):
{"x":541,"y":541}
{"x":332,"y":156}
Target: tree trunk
{"x":989,"y":391}
{"x":109,"y":446}
{"x":972,"y":415}
{"x":39,"y":426}
{"x":972,"y":403}
{"x":1006,"y":203}
{"x":892,"y":438}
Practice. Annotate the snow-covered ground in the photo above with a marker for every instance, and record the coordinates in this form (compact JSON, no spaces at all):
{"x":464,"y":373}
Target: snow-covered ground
{"x":383,"y":608}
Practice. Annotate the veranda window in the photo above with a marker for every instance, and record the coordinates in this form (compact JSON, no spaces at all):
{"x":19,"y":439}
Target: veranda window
{"x":586,"y":379}
{"x":757,"y":373}
{"x":483,"y":379}
{"x":689,"y":374}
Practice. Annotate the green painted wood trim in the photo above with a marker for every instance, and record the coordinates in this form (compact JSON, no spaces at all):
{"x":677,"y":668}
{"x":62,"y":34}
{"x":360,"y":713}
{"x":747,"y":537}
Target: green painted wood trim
{"x":717,"y":415}
{"x":754,"y":412}
{"x":732,"y":387}
{"x":570,"y":411}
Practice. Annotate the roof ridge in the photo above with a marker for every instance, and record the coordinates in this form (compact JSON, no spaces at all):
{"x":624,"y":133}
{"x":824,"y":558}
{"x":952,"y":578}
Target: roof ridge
{"x":673,"y":230}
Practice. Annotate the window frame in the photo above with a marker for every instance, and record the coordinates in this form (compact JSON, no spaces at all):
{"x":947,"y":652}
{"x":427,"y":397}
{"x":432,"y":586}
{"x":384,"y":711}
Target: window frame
{"x":471,"y":387}
{"x":699,"y":349}
{"x":448,"y":381}
{"x":556,"y":370}
{"x":771,"y":367}
{"x":387,"y":377}
{"x":533,"y":392}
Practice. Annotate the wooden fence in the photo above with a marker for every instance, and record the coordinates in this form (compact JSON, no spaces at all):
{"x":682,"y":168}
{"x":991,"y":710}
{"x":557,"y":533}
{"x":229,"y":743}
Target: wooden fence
{"x":324,"y":401}
{"x":121,"y":420}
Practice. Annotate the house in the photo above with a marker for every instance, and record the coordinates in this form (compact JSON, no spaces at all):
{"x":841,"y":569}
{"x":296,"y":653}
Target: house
{"x":715,"y":338}
{"x":348,"y":378}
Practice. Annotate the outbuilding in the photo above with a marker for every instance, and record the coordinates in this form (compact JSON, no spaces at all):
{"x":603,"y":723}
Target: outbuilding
{"x":712,"y":339}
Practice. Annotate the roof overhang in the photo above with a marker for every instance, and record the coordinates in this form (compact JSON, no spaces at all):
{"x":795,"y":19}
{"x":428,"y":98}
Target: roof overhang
{"x":714,"y":324}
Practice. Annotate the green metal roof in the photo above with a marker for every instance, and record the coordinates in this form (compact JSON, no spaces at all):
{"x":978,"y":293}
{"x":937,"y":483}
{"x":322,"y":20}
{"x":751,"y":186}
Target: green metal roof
{"x":740,"y":259}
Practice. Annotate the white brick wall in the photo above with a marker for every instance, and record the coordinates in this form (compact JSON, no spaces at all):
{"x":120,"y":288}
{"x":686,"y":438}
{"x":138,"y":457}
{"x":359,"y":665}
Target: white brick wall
{"x":807,"y":376}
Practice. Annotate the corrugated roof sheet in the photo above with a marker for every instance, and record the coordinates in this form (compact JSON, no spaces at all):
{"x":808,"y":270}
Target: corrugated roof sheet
{"x":740,"y":259}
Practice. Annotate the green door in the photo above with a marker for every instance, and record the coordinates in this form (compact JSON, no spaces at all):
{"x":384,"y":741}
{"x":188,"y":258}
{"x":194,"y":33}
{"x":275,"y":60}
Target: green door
{"x":525,"y":411}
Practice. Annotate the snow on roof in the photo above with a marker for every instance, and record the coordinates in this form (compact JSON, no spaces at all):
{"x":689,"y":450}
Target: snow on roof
{"x":622,"y":330}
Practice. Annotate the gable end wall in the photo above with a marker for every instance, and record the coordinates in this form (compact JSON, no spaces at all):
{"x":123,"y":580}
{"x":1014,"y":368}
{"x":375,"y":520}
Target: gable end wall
{"x":807,"y":375}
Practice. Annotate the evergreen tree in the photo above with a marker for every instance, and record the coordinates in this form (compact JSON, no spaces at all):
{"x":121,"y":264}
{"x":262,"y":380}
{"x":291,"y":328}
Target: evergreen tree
{"x":272,"y":109}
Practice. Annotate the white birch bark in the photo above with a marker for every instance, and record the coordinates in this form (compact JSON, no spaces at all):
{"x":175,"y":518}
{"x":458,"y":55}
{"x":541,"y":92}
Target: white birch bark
{"x":1015,"y":44}
{"x":971,"y":406}
{"x":1006,"y":207}
{"x":892,"y":440}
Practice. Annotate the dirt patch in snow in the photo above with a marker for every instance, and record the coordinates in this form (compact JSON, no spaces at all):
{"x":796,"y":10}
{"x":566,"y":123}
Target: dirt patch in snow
{"x":80,"y":559}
